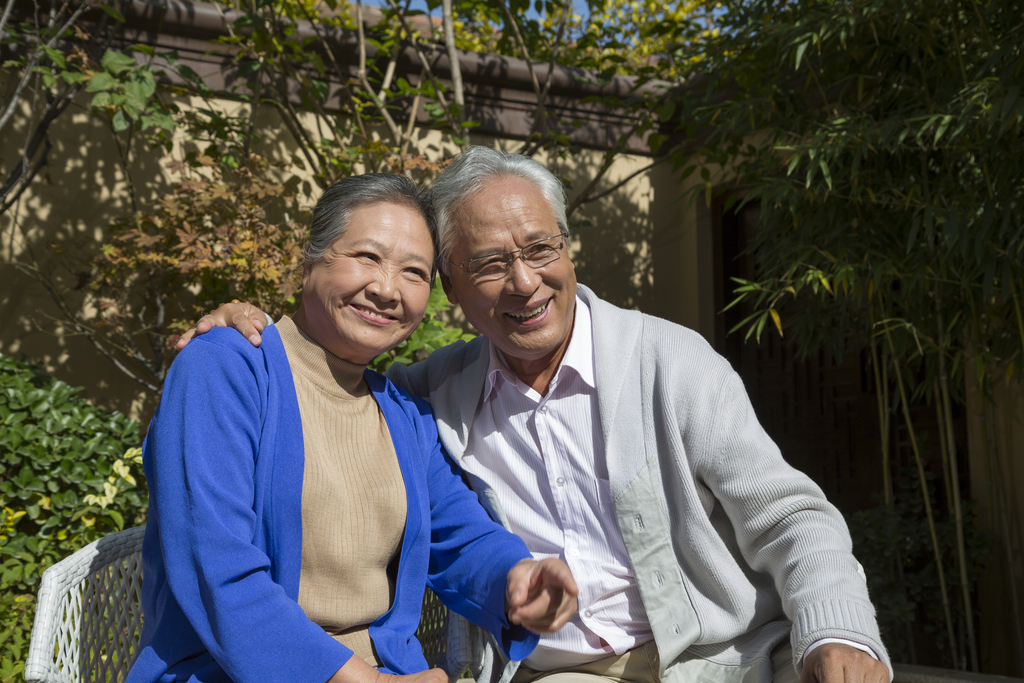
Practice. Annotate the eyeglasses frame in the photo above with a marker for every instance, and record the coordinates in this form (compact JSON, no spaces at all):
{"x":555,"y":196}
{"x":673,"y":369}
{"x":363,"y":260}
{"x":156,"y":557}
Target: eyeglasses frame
{"x":516,"y":254}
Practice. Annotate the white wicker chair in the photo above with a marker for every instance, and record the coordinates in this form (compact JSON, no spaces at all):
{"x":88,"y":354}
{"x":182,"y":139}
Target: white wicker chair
{"x":89,"y":613}
{"x":89,"y":618}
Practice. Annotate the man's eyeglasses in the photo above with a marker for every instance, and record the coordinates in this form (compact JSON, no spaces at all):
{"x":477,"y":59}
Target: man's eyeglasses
{"x":496,"y":266}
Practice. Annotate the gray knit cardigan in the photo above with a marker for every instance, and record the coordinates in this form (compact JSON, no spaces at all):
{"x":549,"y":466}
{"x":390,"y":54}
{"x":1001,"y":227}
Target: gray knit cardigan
{"x":731,"y":547}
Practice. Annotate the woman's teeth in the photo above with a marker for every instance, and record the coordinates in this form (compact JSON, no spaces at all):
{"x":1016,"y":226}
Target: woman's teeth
{"x":374,"y":314}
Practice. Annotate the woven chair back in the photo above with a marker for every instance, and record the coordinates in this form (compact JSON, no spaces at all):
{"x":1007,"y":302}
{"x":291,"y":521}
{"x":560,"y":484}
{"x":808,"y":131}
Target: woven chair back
{"x":89,"y":615}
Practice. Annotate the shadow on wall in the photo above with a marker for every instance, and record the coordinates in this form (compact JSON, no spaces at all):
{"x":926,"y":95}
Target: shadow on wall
{"x":612,"y":246}
{"x":59,"y":226}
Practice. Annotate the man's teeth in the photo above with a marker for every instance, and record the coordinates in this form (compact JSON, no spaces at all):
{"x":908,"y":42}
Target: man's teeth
{"x":525,"y":315}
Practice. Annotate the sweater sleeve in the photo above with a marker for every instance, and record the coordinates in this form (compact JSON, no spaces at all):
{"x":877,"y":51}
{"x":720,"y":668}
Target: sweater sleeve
{"x":471,"y":555}
{"x":784,"y":526}
{"x":202,"y":452}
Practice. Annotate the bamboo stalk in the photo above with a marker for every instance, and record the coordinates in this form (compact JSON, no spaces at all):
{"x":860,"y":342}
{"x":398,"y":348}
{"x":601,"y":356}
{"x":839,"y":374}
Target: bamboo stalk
{"x":940,"y":420}
{"x":958,"y":517}
{"x":950,"y":472}
{"x":927,"y":501}
{"x":882,"y":395}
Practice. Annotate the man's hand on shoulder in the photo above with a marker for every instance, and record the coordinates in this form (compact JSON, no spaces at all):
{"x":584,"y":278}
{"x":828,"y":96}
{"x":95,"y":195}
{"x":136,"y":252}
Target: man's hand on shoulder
{"x":248,"y":320}
{"x":838,"y":663}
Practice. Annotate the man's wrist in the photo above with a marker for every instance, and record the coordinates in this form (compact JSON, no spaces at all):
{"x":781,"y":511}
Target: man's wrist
{"x":841,"y":641}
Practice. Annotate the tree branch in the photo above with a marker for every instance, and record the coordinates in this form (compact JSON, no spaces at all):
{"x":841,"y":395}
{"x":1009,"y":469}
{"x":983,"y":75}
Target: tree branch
{"x":54,"y":108}
{"x":448,"y":21}
{"x":425,"y":64}
{"x":7,"y":13}
{"x":80,"y":328}
{"x":412,"y":120}
{"x":609,"y":159}
{"x":613,"y":188}
{"x":35,"y":60}
{"x":24,"y":180}
{"x":396,"y":134}
{"x":541,"y":117}
{"x":343,"y":78}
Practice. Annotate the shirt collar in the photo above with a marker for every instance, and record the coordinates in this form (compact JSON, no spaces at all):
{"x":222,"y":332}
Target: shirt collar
{"x":579,"y":357}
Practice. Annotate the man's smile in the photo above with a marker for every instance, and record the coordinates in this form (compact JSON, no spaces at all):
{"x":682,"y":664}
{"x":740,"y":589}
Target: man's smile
{"x":531,"y":313}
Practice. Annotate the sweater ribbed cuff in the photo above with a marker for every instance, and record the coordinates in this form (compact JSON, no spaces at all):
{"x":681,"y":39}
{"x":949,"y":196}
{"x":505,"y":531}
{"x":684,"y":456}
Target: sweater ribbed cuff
{"x":848,"y":619}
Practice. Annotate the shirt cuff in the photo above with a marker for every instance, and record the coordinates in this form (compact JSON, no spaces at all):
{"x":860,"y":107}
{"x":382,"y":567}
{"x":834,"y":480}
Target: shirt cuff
{"x":270,"y":321}
{"x":841,"y":641}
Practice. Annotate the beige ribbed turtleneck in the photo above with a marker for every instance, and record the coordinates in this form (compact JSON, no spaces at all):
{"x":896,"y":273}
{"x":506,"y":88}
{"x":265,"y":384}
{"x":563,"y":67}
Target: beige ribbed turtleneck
{"x":353,"y":495}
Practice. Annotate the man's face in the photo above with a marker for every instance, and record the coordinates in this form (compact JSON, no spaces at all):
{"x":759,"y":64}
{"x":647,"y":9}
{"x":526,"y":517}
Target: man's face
{"x":528,"y":314}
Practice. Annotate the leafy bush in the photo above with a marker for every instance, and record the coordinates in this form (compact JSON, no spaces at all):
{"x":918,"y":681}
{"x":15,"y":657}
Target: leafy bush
{"x":69,"y":474}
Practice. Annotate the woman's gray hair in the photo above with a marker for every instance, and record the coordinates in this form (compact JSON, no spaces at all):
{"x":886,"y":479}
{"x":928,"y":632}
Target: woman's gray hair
{"x":470,"y":172}
{"x":334,"y":209}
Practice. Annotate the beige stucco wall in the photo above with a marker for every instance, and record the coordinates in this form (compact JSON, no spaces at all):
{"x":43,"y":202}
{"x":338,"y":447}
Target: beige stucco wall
{"x":636,"y":247}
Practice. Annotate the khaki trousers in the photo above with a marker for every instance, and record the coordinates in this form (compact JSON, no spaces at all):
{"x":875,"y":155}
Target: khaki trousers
{"x":641,"y":665}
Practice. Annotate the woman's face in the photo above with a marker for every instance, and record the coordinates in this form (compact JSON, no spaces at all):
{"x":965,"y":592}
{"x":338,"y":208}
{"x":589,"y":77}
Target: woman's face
{"x":370,"y":290}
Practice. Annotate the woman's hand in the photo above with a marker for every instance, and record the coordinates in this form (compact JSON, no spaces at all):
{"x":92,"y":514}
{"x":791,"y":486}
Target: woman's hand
{"x":244,"y":317}
{"x":541,"y":595}
{"x":356,"y":670}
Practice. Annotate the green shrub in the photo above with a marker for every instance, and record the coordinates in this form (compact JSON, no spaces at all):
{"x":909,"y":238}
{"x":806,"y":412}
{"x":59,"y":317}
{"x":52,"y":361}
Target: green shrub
{"x":69,"y":474}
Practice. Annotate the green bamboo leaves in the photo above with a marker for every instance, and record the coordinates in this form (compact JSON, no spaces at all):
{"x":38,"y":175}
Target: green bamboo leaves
{"x":884,"y":144}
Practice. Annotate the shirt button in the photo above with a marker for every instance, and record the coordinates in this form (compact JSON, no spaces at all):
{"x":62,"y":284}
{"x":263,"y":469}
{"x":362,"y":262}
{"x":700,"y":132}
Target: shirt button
{"x":588,"y":614}
{"x":575,"y":552}
{"x":560,"y":481}
{"x":543,"y":409}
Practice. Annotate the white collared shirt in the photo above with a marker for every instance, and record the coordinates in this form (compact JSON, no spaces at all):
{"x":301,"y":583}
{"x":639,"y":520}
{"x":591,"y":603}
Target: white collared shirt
{"x":540,"y":455}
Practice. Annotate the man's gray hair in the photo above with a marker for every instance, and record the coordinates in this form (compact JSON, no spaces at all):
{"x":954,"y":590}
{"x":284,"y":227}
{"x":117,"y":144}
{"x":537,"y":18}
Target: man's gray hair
{"x":333,"y":211}
{"x":470,"y":172}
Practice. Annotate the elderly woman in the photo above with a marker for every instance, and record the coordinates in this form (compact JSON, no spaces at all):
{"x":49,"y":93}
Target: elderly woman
{"x":300,"y":503}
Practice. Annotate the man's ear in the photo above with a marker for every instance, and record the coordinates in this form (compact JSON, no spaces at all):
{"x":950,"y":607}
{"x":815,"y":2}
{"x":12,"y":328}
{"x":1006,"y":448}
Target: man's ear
{"x":446,"y":284}
{"x":306,"y":268}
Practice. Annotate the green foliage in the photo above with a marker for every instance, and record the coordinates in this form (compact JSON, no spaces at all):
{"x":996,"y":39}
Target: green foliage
{"x":432,"y":334}
{"x":15,"y":629}
{"x":164,"y":261}
{"x":882,"y":141}
{"x":70,"y":473}
{"x":218,"y":236}
{"x":125,"y":91}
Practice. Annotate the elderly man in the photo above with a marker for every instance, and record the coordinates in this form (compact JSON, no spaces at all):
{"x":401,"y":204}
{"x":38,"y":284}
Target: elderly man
{"x":625,"y":445}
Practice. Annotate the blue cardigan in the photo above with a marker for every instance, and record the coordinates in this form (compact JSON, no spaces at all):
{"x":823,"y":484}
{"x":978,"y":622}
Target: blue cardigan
{"x":223,"y":545}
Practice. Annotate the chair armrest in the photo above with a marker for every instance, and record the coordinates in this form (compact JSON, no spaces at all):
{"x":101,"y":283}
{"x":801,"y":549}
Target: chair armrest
{"x":90,"y":598}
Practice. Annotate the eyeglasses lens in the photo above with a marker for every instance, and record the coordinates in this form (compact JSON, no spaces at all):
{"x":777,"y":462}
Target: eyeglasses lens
{"x":535,"y":255}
